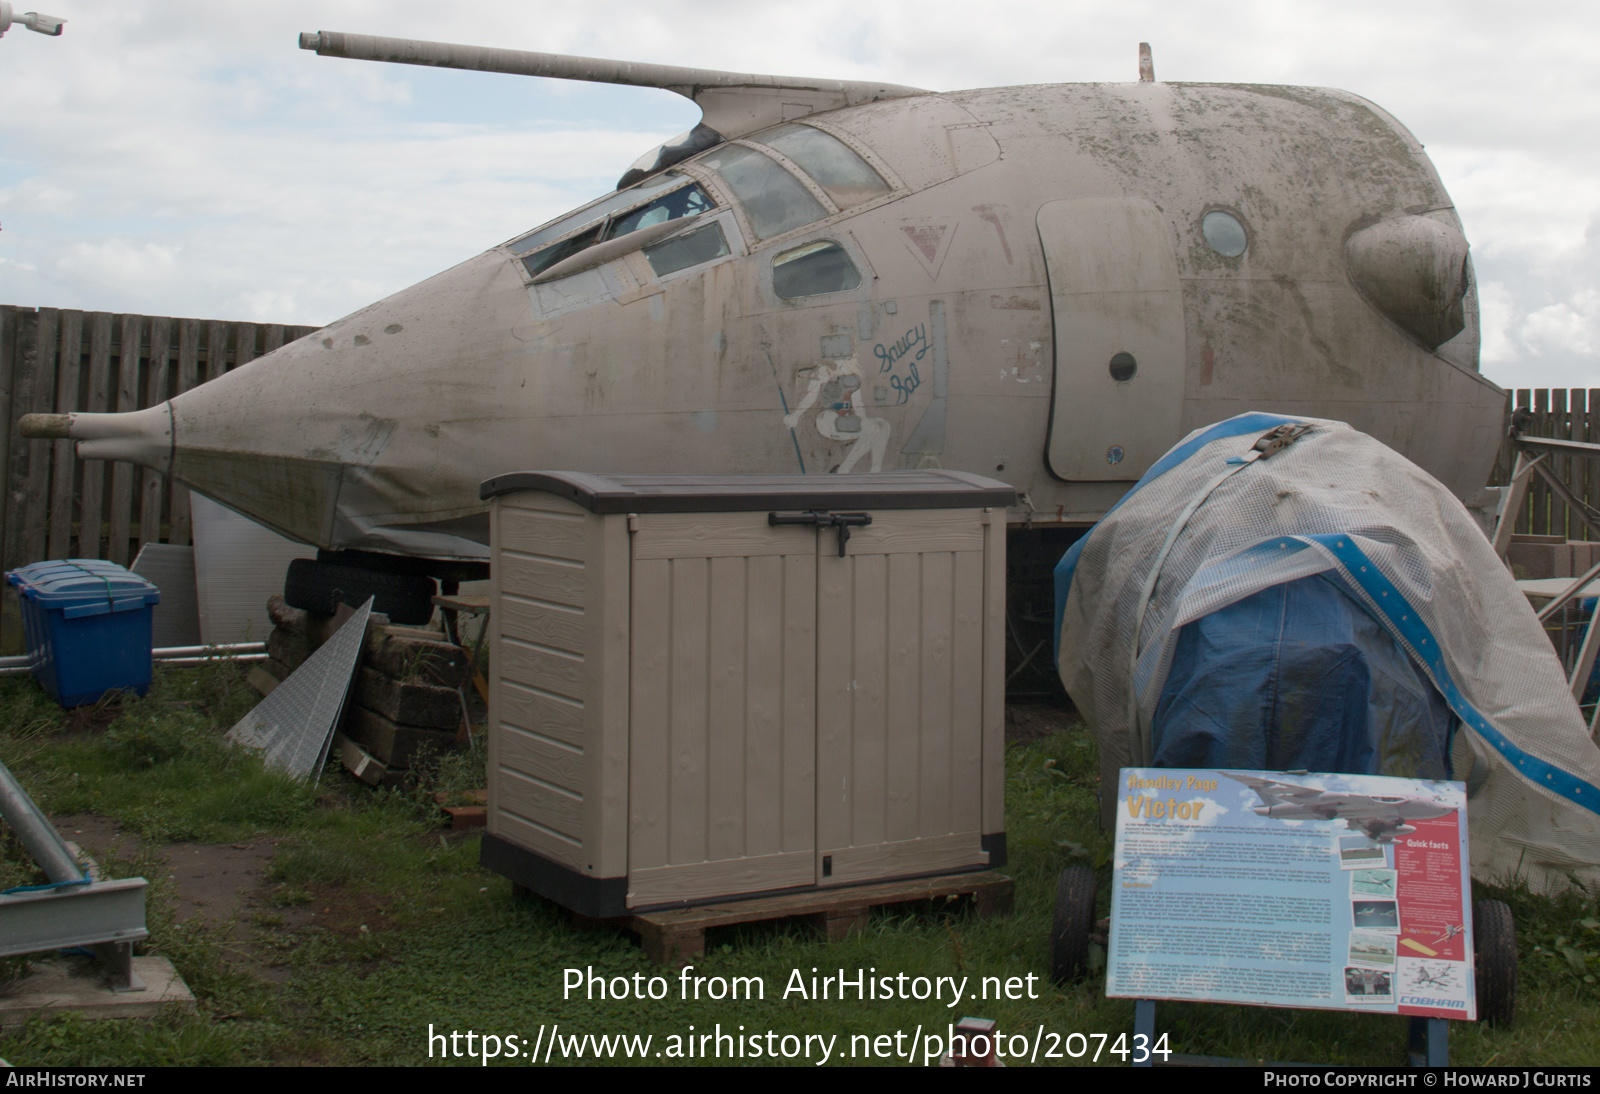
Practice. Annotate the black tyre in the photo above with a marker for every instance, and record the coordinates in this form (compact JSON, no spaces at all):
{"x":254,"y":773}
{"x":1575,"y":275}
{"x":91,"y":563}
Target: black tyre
{"x":1074,"y":919}
{"x":321,"y":587}
{"x":1494,"y":937}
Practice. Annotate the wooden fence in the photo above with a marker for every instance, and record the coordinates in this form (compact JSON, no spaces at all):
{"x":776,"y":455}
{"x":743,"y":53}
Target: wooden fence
{"x":1571,"y":414}
{"x":58,"y":360}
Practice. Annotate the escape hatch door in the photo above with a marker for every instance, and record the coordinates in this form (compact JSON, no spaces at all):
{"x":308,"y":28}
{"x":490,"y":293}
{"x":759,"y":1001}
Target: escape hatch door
{"x":1118,"y":312}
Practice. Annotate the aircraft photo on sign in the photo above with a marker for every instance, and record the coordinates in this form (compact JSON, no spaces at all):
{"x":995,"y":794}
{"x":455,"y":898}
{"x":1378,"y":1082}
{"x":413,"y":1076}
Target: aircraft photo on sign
{"x":1380,"y":818}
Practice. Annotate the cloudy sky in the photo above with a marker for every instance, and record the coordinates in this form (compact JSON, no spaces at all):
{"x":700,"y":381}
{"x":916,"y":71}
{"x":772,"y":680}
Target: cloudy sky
{"x":186,"y":158}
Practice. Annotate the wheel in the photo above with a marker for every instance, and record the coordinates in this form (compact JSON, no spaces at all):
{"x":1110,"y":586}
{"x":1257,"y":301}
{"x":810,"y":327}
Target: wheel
{"x":1494,"y":937}
{"x":1074,"y":919}
{"x":321,"y":587}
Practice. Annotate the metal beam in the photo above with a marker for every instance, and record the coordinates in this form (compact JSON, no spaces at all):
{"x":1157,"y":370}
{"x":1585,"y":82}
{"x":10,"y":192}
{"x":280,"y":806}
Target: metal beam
{"x":1579,"y":448}
{"x":1511,"y":508}
{"x":35,"y":833}
{"x":109,"y":911}
{"x":1569,"y":592}
{"x":1590,"y":519}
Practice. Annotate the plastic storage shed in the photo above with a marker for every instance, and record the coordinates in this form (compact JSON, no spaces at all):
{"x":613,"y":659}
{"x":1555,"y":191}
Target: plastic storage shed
{"x":701,"y":689}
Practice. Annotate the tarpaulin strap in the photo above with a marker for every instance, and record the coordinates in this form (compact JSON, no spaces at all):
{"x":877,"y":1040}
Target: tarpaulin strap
{"x":1233,"y":427}
{"x":111,"y":595}
{"x":1279,"y":436}
{"x":1388,"y":605}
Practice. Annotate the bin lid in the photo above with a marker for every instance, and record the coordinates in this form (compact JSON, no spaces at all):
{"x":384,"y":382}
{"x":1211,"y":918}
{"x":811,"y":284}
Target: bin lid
{"x":733,"y":493}
{"x":83,"y":586}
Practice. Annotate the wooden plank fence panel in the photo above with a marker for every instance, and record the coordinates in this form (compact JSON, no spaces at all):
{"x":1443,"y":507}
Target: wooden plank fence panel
{"x":92,"y":510}
{"x":64,"y":458}
{"x":1559,"y":427}
{"x":1540,"y":492}
{"x":31,"y":387}
{"x":155,"y":393}
{"x":1577,"y":466}
{"x":54,"y":505}
{"x":119,"y":526}
{"x":188,"y":377}
{"x":216,"y":349}
{"x":244,"y":341}
{"x":1591,"y":482}
{"x":34,"y":539}
{"x":1543,"y":514}
{"x":12,"y":320}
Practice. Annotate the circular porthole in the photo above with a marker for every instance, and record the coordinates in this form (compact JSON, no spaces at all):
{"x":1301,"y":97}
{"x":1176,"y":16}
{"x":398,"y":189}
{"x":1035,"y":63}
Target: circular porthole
{"x":1225,"y":234}
{"x":1123,"y":366}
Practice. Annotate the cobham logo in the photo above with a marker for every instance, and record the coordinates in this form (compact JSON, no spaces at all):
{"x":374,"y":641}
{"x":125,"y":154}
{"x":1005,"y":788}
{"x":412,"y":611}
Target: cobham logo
{"x":1419,"y":1001}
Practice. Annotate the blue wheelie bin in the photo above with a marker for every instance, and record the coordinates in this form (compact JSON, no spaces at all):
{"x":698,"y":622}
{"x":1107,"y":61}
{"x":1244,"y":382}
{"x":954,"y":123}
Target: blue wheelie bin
{"x":88,"y":625}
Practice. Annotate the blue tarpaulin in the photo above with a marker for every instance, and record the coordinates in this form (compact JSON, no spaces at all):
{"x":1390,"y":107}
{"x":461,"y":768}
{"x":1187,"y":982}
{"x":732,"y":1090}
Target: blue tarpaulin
{"x":1298,"y":677}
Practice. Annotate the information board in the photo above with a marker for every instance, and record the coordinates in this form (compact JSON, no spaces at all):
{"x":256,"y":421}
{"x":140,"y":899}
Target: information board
{"x":1339,"y":892}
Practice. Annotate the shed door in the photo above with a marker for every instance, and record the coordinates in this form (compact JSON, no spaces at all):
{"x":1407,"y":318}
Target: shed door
{"x":721,"y":766}
{"x":1118,"y":314}
{"x":899,"y":697}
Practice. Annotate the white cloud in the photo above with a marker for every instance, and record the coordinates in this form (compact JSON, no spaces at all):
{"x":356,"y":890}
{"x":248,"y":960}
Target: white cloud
{"x":120,"y":262}
{"x":1569,"y":327}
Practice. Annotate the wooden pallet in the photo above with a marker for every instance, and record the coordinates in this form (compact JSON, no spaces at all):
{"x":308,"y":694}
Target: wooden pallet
{"x":677,"y":936}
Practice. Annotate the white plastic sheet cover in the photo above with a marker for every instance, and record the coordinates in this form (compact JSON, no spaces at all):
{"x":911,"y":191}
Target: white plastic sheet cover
{"x":1338,"y":503}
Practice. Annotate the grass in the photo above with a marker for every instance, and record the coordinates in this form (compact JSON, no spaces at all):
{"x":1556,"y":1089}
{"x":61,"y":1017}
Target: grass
{"x":378,"y":926}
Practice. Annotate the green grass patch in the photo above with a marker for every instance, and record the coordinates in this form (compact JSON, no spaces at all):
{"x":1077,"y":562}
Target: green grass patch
{"x":376,"y":925}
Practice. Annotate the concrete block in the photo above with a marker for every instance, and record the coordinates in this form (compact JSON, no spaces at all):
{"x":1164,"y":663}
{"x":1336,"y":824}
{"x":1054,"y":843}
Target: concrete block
{"x":394,"y":745}
{"x":409,"y":703}
{"x":418,"y":659}
{"x":289,"y":648}
{"x":72,"y":983}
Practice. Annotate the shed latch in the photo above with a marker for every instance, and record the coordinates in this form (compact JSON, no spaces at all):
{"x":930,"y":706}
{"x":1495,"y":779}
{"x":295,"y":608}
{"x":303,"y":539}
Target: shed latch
{"x":823,"y":519}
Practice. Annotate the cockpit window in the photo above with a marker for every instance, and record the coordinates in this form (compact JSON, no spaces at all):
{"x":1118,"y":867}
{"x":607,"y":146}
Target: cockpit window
{"x":543,"y":260}
{"x":814,"y":269}
{"x":843,"y":175}
{"x":689,"y":249}
{"x":598,"y":211}
{"x":687,"y":201}
{"x":773,"y":199}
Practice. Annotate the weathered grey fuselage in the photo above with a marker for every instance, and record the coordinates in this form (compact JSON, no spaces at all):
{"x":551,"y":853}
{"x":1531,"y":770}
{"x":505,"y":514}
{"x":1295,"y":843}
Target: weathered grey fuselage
{"x":1029,"y":235}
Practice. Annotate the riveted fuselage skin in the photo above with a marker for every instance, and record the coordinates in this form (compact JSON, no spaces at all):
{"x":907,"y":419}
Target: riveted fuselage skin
{"x":375,"y":432}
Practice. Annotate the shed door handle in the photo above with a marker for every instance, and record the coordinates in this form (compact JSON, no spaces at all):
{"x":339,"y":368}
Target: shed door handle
{"x":821,"y":518}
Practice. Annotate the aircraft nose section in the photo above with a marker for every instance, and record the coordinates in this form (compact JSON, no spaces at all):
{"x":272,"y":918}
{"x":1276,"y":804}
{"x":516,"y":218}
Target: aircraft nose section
{"x":1414,"y":270}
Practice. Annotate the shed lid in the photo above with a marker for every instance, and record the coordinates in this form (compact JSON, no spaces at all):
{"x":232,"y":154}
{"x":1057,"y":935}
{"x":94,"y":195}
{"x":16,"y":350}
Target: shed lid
{"x":83,"y":586}
{"x":733,"y":493}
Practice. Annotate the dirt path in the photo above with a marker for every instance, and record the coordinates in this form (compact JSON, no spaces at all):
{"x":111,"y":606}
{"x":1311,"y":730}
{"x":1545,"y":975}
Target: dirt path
{"x":215,"y":882}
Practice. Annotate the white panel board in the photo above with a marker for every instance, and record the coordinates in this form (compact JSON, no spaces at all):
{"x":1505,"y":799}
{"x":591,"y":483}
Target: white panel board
{"x":238,"y":564}
{"x":170,"y":568}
